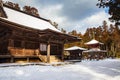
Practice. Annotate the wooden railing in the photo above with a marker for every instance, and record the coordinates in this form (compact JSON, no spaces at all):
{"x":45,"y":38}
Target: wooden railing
{"x":22,"y":52}
{"x":27,"y":52}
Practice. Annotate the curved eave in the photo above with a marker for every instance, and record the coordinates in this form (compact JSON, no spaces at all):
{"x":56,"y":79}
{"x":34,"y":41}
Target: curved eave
{"x":67,"y":38}
{"x":101,"y":51}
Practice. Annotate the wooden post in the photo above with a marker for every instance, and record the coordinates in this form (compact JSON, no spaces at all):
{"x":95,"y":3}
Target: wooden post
{"x":10,"y":45}
{"x":63,"y":52}
{"x":12,"y":59}
{"x":48,"y":53}
{"x":27,"y":59}
{"x":23,"y":46}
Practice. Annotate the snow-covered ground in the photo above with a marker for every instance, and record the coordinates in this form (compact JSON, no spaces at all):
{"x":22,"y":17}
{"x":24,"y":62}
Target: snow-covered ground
{"x":108,"y":69}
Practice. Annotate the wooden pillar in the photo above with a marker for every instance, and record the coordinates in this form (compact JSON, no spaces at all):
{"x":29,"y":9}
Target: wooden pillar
{"x":62,"y":52}
{"x":48,"y":53}
{"x":23,"y":46}
{"x":10,"y":45}
{"x":27,"y":59}
{"x":12,"y":59}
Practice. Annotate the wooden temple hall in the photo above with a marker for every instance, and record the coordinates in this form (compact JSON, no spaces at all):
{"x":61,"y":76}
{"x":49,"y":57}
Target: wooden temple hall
{"x":27,"y":37}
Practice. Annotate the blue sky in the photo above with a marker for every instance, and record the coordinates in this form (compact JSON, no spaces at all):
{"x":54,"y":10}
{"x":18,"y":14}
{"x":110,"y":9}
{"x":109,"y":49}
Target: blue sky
{"x":69,"y":14}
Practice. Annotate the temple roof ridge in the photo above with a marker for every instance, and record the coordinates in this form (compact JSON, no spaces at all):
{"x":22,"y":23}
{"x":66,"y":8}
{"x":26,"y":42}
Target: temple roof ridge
{"x":93,"y":41}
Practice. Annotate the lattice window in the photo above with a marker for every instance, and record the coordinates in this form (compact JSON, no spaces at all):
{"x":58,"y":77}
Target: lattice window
{"x":43,"y":47}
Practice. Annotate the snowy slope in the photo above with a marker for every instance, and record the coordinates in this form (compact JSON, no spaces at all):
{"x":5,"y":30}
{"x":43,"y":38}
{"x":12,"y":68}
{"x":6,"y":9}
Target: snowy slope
{"x":108,"y":69}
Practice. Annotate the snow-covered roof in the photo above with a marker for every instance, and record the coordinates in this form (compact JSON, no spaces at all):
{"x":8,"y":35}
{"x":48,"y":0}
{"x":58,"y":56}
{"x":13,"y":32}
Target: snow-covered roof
{"x":75,"y":48}
{"x":95,"y":50}
{"x":93,"y":41}
{"x":27,"y":20}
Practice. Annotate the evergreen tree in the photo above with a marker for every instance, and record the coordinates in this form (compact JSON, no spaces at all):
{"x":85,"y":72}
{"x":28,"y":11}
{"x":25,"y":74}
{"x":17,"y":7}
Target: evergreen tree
{"x":114,"y":9}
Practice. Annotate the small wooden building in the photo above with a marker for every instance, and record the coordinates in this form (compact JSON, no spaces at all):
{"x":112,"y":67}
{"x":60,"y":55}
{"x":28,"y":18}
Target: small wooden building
{"x":94,"y":52}
{"x":25,"y":36}
{"x":75,"y":52}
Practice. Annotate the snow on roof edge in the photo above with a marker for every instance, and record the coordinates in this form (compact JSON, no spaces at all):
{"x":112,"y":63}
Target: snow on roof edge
{"x":93,"y":41}
{"x":75,"y":48}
